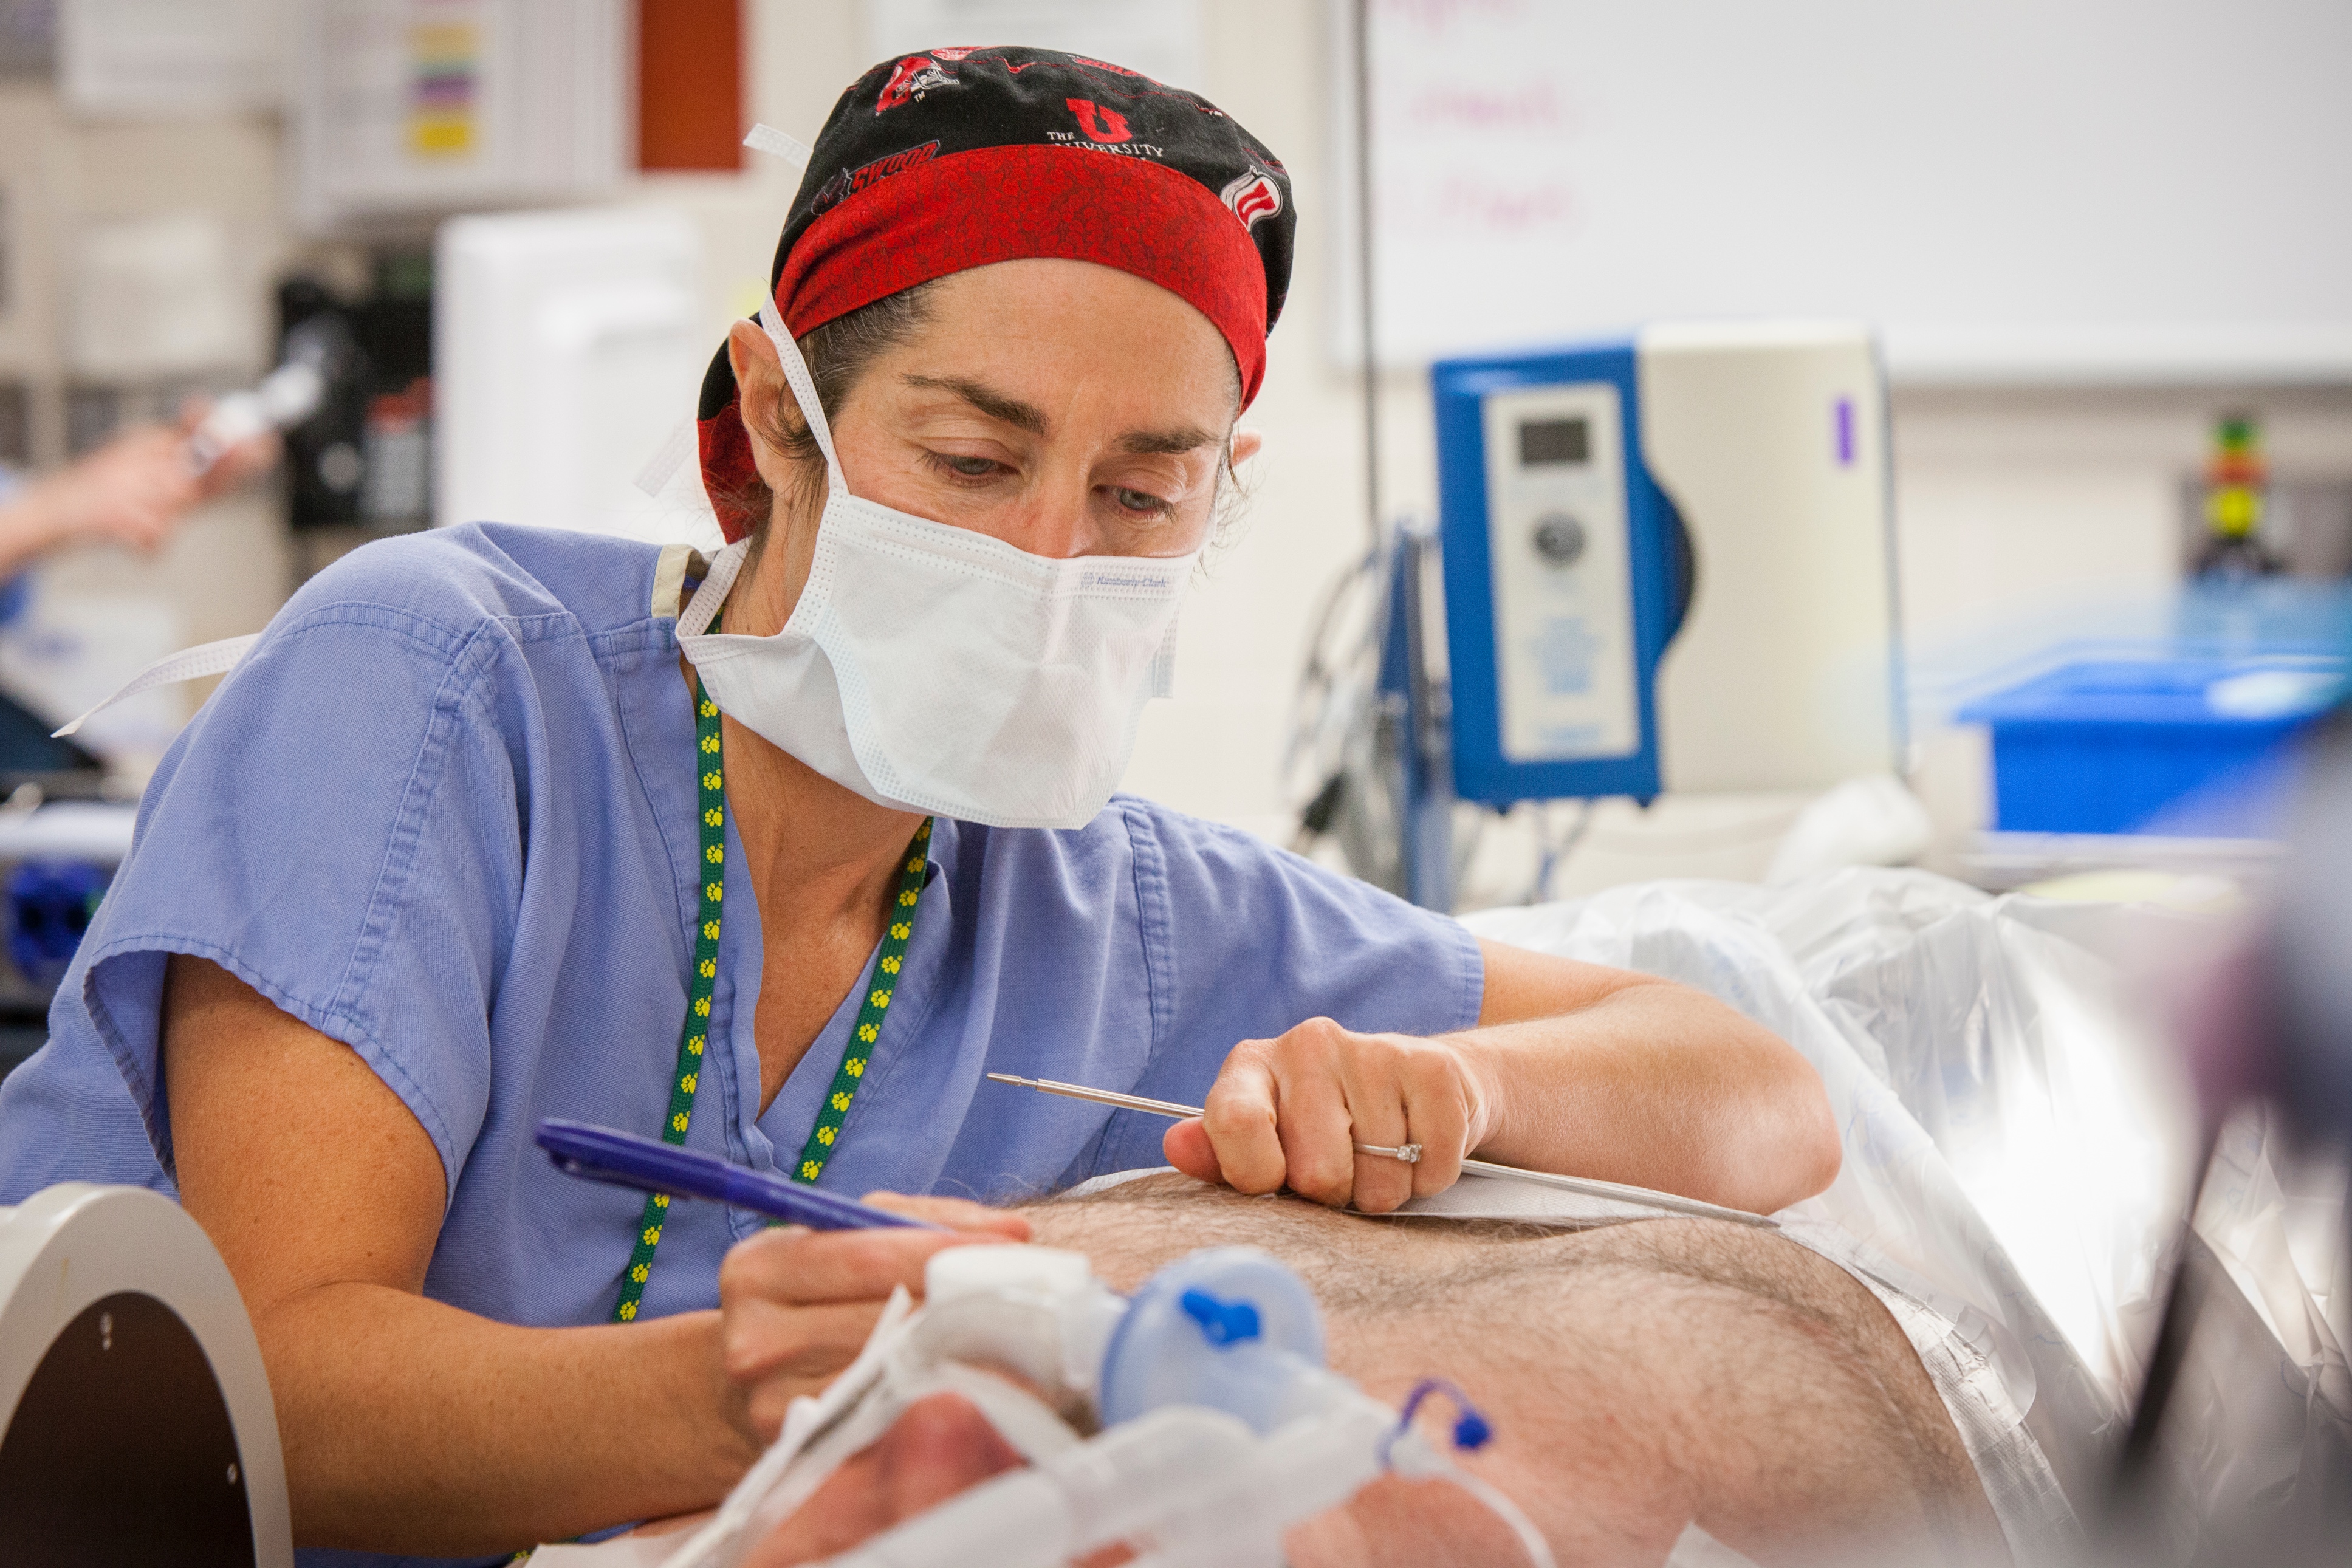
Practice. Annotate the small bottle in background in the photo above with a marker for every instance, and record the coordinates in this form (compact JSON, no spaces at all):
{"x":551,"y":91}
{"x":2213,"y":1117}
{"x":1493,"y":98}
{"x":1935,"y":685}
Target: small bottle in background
{"x":2237,"y":500}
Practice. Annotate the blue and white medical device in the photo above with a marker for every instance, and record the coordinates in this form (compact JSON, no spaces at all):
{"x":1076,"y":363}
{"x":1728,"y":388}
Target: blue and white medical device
{"x":1668,"y":565}
{"x":1567,"y":571}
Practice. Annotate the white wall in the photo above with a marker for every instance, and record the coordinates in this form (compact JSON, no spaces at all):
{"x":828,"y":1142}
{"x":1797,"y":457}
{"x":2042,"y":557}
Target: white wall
{"x":2013,"y":507}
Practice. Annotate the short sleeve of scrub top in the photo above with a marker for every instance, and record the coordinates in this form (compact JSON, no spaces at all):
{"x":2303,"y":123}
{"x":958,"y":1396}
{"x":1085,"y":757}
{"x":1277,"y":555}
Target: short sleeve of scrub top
{"x":445,"y":813}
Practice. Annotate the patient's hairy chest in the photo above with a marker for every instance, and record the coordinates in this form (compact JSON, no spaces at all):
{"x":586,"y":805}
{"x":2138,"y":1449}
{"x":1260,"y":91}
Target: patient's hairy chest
{"x":1401,"y":1274}
{"x":1355,"y":1263}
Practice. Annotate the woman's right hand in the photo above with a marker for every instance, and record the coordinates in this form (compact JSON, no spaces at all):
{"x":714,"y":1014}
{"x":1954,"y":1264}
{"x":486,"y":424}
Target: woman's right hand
{"x":796,"y":1305}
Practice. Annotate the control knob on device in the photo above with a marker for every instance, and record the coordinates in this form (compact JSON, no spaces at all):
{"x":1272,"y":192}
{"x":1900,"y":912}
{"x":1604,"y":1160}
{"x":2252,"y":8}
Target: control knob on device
{"x":1558,"y":538}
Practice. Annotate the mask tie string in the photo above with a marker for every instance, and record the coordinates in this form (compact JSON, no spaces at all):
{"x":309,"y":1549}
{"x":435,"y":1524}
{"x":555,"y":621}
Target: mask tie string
{"x":796,"y":372}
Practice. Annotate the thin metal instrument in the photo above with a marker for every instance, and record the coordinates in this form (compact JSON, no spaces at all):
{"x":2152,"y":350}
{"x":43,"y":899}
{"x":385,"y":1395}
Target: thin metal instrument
{"x":1409,"y":1153}
{"x":1590,"y":1186}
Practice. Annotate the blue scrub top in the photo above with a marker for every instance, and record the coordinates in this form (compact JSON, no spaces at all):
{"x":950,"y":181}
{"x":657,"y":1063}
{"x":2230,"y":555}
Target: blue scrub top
{"x":445,"y":813}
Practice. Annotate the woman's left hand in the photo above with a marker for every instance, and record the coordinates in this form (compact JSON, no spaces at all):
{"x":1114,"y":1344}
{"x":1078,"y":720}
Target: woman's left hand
{"x":1290,"y":1112}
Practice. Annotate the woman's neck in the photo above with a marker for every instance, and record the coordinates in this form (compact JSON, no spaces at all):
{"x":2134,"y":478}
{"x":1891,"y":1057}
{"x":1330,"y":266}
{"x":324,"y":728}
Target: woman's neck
{"x":817,"y":851}
{"x":822,"y":862}
{"x":822,"y":859}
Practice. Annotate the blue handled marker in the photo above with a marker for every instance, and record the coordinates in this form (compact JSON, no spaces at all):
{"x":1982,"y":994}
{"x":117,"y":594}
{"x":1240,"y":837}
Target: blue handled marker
{"x":624,"y":1160}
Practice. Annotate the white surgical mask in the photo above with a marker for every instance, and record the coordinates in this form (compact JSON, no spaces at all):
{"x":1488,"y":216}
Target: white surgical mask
{"x":936,"y":669}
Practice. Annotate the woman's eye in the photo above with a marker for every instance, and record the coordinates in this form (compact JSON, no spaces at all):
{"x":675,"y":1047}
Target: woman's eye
{"x":969,"y":467}
{"x":1138,"y":500}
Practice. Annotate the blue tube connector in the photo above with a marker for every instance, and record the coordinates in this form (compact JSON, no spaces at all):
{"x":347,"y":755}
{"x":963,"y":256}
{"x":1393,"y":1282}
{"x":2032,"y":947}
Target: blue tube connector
{"x":1221,"y":1322}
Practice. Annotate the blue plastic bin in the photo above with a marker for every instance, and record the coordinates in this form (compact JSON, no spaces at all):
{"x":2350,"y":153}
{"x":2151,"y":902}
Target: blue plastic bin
{"x":2183,"y":745}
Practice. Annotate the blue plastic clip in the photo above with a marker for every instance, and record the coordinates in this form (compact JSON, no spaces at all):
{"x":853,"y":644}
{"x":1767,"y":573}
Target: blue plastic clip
{"x":1472,"y":1431}
{"x":1221,"y":1322}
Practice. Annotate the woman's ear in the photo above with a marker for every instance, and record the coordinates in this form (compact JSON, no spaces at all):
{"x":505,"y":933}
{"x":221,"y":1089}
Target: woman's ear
{"x":761,"y":393}
{"x":1245,"y":445}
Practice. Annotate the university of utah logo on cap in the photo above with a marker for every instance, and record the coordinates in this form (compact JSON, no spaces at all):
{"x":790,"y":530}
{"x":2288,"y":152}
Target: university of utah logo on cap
{"x":917,"y":75}
{"x":1253,"y":196}
{"x":1100,"y":124}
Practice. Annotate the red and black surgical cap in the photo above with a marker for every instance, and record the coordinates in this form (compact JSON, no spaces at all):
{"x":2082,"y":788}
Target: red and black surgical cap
{"x":958,"y":158}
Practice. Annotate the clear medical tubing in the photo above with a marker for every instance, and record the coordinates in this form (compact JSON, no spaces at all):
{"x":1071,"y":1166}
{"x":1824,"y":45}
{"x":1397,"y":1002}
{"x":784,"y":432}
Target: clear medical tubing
{"x":1224,"y":1429}
{"x":1044,"y":1515}
{"x":1192,"y":1483}
{"x":1185,"y":1476}
{"x":1196,"y":1484}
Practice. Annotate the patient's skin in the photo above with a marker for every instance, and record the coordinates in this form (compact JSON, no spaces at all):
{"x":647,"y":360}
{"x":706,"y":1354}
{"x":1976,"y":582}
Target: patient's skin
{"x":1639,"y":1377}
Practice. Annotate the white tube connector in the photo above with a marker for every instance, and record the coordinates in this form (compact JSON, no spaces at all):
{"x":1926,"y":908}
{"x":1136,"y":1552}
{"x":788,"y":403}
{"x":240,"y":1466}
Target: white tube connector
{"x":1100,"y":1492}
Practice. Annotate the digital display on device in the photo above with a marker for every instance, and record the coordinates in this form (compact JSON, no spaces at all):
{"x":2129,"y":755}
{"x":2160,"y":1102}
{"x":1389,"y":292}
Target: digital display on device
{"x":1553,"y":441}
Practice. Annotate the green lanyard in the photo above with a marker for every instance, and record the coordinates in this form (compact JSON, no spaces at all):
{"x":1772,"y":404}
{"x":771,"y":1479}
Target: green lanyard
{"x":694,"y":1035}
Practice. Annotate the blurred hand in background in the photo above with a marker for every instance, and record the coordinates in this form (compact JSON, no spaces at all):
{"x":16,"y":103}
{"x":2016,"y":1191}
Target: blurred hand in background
{"x":134,"y":491}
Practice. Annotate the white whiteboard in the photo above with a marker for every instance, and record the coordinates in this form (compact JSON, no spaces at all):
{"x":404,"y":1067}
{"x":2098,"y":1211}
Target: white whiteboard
{"x":2011,"y":189}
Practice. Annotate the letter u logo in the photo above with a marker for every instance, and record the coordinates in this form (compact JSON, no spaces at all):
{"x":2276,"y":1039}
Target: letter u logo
{"x":1100,"y":124}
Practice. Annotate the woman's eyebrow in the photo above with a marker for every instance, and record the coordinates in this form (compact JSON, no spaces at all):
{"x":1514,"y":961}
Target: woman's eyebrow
{"x":1189,"y":438}
{"x":1027,"y":416}
{"x":995,"y":404}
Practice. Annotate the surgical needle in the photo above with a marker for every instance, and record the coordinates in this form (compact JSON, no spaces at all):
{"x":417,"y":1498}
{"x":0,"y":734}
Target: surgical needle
{"x":1409,"y":1153}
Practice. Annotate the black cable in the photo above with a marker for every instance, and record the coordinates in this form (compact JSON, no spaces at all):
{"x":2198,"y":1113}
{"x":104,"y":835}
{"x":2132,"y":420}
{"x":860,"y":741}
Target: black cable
{"x":1317,"y":819}
{"x":1364,"y":264}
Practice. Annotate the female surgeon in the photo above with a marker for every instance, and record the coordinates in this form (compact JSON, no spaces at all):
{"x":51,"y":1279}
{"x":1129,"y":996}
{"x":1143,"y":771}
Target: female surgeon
{"x":778,"y":855}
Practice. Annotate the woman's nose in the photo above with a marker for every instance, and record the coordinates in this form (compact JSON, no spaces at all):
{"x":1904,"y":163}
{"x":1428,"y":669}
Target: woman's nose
{"x":1057,"y":520}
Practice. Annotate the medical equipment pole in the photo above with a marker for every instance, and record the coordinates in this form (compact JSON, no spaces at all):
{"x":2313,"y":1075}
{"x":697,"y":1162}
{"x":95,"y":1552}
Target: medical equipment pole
{"x":1424,"y":753}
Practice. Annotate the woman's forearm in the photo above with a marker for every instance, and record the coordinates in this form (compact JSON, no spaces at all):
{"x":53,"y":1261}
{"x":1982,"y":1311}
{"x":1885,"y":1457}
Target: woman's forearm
{"x":1660,"y":1086}
{"x":412,"y":1426}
